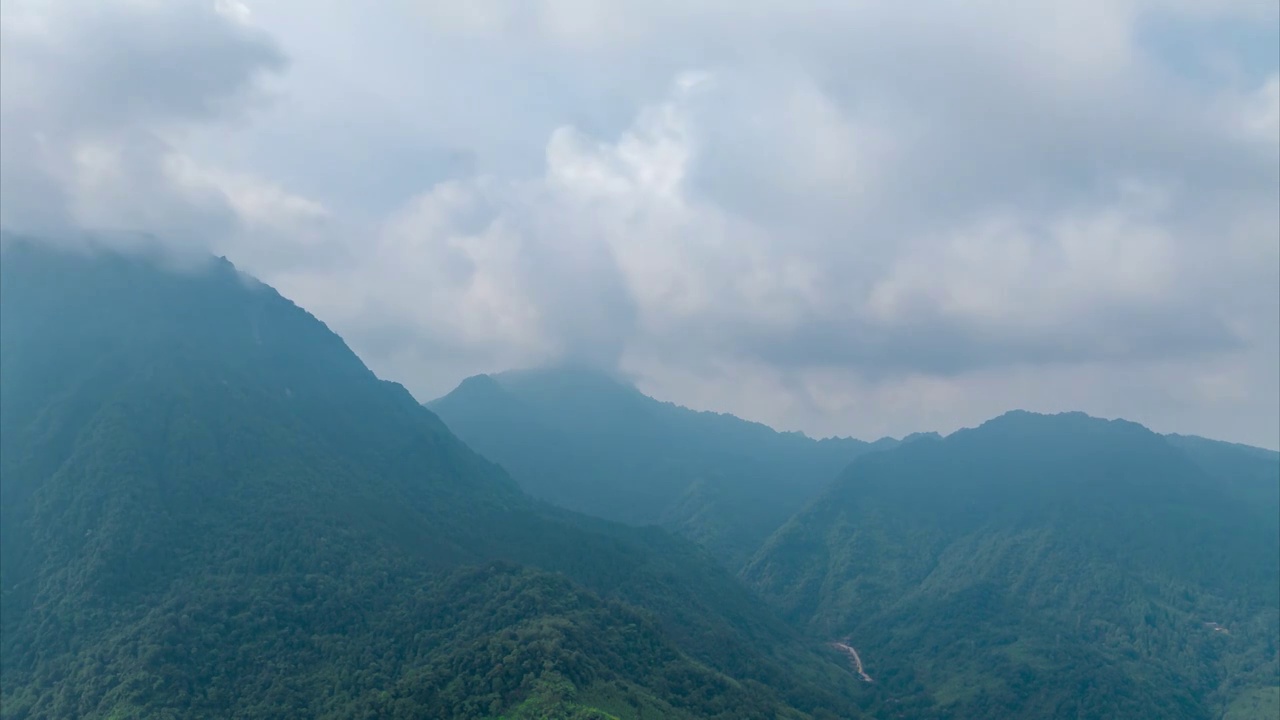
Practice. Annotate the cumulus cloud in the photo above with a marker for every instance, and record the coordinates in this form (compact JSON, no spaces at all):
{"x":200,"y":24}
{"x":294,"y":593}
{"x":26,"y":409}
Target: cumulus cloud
{"x":847,"y":218}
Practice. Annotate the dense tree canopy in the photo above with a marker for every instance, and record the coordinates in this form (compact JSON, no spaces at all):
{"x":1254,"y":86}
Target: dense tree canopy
{"x":211,"y":508}
{"x":1045,"y":566}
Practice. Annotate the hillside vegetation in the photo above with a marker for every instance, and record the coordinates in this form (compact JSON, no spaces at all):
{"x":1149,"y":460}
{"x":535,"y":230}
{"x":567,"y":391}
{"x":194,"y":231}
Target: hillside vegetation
{"x":1046,"y":566}
{"x":211,"y":508}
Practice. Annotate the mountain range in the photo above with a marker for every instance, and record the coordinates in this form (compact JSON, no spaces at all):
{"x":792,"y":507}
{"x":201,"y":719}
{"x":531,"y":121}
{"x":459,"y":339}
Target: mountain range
{"x":210,"y":507}
{"x":1035,"y":566}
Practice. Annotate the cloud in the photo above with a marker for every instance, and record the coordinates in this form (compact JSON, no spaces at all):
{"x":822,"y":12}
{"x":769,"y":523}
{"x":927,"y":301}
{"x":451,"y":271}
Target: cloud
{"x":539,"y":264}
{"x":851,"y":217}
{"x":98,"y":99}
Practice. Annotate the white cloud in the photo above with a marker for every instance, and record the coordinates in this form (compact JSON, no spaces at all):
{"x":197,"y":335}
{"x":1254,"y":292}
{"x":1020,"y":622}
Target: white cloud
{"x":854,"y":216}
{"x":1005,"y":271}
{"x":94,"y":99}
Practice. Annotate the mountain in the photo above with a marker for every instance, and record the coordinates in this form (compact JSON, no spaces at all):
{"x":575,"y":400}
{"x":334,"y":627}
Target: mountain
{"x":1249,"y":474}
{"x":1046,"y":566}
{"x":589,"y":442}
{"x":209,"y":507}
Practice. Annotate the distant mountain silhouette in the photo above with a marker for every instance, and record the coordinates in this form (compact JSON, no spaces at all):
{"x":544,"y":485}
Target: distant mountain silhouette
{"x":590,"y":442}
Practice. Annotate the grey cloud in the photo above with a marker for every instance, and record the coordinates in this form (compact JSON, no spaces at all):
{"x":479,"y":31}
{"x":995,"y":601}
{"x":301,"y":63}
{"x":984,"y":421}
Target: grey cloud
{"x":937,"y":347}
{"x":466,"y":187}
{"x":93,"y":95}
{"x":585,"y":301}
{"x":121,"y":63}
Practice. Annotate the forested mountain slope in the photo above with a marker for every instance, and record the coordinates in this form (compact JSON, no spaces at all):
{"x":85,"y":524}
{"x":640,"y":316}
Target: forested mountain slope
{"x":1046,"y":566}
{"x":209,"y":507}
{"x":589,"y":442}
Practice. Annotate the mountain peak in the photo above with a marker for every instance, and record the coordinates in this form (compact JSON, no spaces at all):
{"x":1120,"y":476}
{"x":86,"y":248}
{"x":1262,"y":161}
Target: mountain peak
{"x":917,"y":436}
{"x":478,"y":384}
{"x":477,"y":390}
{"x":588,"y":440}
{"x":1028,"y":422}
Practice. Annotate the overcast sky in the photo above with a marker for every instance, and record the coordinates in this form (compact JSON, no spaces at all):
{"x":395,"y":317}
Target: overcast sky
{"x":855,"y":218}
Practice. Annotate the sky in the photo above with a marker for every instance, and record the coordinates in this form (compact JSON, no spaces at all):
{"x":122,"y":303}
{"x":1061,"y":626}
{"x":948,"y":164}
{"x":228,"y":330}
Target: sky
{"x":847,"y":218}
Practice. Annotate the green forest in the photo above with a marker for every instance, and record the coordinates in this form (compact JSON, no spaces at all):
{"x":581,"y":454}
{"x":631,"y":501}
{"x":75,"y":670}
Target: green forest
{"x":1046,"y":566}
{"x":210,"y":507}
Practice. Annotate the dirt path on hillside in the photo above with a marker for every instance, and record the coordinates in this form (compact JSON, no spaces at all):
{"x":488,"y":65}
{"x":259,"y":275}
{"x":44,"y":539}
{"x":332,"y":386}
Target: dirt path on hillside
{"x":854,"y":658}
